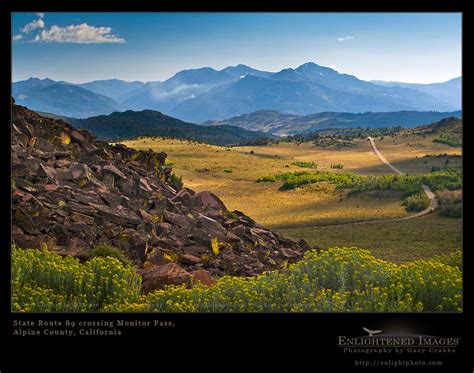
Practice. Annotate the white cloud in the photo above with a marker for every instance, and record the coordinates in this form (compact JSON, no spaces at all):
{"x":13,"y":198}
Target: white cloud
{"x":346,"y":38}
{"x":17,"y":37}
{"x":81,"y":34}
{"x":33,"y":25}
{"x":41,"y":15}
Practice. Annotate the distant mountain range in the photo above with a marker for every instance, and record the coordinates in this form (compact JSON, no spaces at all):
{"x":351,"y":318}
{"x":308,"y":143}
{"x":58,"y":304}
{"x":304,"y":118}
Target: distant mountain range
{"x":281,"y":124}
{"x":449,"y":92}
{"x":130,"y":124}
{"x":61,"y":98}
{"x":204,"y":94}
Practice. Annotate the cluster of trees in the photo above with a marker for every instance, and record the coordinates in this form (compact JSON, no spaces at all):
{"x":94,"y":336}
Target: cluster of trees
{"x":133,"y":124}
{"x":450,"y":204}
{"x":448,"y":139}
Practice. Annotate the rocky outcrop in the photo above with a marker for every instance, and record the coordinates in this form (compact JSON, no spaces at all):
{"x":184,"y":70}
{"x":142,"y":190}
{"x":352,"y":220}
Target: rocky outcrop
{"x":72,"y":191}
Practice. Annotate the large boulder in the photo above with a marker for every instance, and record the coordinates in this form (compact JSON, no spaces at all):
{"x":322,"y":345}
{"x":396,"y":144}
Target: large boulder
{"x":203,"y":277}
{"x":157,"y":277}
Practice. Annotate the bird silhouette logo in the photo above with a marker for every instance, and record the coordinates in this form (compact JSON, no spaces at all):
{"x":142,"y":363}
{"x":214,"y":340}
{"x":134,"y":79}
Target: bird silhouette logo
{"x":371,"y":332}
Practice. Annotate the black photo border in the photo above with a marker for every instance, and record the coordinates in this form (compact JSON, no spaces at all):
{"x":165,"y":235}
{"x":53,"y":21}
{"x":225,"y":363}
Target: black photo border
{"x":314,"y":333}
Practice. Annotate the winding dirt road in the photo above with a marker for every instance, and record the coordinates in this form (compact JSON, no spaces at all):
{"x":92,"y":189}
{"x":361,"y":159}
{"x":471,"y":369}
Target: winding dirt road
{"x":426,"y":189}
{"x":429,"y":193}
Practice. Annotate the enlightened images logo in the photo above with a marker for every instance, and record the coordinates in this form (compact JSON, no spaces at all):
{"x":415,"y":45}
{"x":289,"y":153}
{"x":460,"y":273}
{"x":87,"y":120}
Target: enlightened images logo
{"x":371,"y":332}
{"x":378,"y":342}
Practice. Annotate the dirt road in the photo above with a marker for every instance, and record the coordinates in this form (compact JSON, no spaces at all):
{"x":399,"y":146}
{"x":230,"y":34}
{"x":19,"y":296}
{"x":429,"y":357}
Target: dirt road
{"x":429,"y":193}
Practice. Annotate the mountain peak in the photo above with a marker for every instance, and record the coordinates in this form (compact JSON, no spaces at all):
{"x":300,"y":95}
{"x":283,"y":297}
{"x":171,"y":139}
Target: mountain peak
{"x":239,"y":66}
{"x":311,"y":67}
{"x":45,"y":80}
{"x":309,"y":64}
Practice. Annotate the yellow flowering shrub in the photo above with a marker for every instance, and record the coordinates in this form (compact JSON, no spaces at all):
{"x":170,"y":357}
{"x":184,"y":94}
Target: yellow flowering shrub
{"x":436,"y":285}
{"x":333,"y":280}
{"x":44,"y":281}
{"x":453,"y":259}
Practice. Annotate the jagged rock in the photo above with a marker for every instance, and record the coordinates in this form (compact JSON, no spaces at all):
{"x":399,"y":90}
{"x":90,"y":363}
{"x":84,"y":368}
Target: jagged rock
{"x":132,"y":242}
{"x":183,"y":196}
{"x":195,"y":250}
{"x":46,"y":171}
{"x":113,"y":170}
{"x":159,"y":276}
{"x":77,"y":136}
{"x":116,"y":215}
{"x":41,"y":144}
{"x":154,"y":257}
{"x":144,"y":184}
{"x":86,"y":196}
{"x":82,"y":230}
{"x":109,"y":180}
{"x":62,"y":163}
{"x":176,"y":219}
{"x":162,"y":227}
{"x":189,"y":259}
{"x":72,"y":192}
{"x":79,"y":170}
{"x":201,"y":276}
{"x":209,"y":199}
{"x":200,"y":236}
{"x":210,"y":225}
{"x":78,"y":217}
{"x":128,"y":187}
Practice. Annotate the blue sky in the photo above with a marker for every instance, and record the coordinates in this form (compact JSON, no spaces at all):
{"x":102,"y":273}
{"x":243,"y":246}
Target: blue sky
{"x":80,"y":47}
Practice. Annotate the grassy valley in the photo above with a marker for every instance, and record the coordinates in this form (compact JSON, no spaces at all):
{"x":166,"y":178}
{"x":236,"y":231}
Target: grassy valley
{"x":322,"y":213}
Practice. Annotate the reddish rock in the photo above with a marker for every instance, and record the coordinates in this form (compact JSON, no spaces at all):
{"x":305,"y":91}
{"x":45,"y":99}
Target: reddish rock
{"x":76,"y":136}
{"x":78,"y":217}
{"x":189,"y":259}
{"x":144,"y":184}
{"x":46,"y":171}
{"x":144,"y":214}
{"x":50,"y":187}
{"x":159,"y":276}
{"x":78,"y":170}
{"x":209,"y":199}
{"x":114,"y":171}
{"x":183,"y":196}
{"x":201,"y":276}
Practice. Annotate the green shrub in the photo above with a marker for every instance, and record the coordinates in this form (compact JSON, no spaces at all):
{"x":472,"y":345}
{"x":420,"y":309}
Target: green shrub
{"x":337,"y":165}
{"x":103,"y":250}
{"x":417,"y":202}
{"x":229,"y":215}
{"x":305,"y":164}
{"x":228,"y":170}
{"x":175,"y":181}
